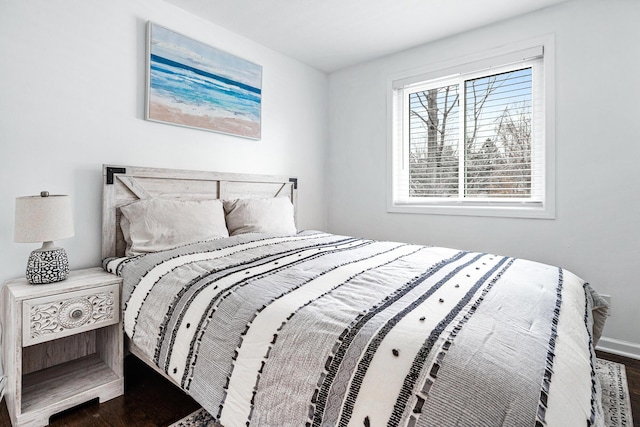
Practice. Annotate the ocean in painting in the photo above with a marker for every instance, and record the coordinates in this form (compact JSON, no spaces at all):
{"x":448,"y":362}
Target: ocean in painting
{"x":196,"y":85}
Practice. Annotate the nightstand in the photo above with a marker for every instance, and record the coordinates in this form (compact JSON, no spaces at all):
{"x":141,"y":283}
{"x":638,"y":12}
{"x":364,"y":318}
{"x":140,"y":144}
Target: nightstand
{"x":62,"y":344}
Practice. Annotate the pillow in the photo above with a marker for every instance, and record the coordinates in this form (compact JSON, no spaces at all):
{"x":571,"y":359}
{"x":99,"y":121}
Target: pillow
{"x":274,"y":215}
{"x":154,"y":225}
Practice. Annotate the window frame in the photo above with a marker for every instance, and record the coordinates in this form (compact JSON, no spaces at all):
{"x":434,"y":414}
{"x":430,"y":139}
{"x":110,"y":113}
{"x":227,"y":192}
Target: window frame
{"x":483,"y":63}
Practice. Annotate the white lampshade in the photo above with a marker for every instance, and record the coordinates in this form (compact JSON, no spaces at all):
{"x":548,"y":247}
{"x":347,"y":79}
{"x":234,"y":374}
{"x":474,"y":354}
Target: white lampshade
{"x":43,"y":218}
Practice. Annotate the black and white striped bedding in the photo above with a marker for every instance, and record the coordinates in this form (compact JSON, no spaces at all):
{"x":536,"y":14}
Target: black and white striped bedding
{"x":325,"y":330}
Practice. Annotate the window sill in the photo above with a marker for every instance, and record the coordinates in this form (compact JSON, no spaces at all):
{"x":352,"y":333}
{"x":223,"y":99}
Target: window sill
{"x":522,"y":211}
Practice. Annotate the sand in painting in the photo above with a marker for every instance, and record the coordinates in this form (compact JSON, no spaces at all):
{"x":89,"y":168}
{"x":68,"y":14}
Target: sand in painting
{"x":158,"y":111}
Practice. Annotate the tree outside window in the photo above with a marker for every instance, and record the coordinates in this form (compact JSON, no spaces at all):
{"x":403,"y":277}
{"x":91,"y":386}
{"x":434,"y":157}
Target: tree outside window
{"x":486,"y":155}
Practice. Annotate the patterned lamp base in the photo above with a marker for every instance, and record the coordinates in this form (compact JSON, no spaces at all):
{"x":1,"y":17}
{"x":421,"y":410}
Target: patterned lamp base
{"x":47,"y":266}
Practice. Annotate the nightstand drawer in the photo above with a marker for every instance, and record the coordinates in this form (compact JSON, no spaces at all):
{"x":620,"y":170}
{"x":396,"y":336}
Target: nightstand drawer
{"x":57,"y":316}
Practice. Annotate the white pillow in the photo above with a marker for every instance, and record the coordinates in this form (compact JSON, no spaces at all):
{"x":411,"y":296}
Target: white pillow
{"x":274,"y":215}
{"x":154,"y":225}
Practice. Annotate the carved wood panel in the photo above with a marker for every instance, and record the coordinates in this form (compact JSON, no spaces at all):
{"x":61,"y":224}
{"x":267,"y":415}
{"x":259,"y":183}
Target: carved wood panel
{"x":68,"y":314}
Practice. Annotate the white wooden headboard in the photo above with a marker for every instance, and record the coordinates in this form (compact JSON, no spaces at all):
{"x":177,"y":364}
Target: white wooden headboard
{"x":122,"y":185}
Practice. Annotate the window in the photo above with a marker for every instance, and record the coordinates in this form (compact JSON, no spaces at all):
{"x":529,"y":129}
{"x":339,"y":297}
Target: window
{"x":474,"y":138}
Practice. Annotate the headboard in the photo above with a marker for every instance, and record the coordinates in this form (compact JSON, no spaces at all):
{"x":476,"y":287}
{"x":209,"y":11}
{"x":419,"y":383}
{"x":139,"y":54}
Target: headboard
{"x":122,"y":185}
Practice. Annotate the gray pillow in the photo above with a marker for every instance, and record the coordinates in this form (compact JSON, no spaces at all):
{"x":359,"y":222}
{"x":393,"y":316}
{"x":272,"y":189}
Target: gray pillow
{"x":274,"y":215}
{"x":154,"y":225}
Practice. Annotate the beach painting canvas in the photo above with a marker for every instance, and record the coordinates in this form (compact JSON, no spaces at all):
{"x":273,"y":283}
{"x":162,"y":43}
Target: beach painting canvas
{"x":195,"y":85}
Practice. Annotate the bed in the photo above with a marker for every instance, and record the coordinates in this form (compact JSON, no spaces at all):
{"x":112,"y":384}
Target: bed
{"x":271,"y":326}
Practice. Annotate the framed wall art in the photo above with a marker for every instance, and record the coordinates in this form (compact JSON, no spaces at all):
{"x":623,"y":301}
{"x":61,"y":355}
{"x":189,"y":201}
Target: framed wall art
{"x":195,"y":85}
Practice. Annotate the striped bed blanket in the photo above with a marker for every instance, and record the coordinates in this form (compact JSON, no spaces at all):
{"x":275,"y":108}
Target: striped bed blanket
{"x":324,"y":330}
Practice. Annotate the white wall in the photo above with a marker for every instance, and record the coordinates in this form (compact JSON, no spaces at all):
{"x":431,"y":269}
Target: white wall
{"x":72,"y":98}
{"x":596,"y":233}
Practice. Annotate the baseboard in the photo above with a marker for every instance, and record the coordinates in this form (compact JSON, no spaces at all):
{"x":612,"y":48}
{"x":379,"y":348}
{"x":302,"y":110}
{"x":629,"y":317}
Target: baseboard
{"x":619,"y":347}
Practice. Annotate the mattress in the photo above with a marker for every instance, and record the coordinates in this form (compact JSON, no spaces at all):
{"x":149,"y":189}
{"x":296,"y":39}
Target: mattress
{"x":318,"y":329}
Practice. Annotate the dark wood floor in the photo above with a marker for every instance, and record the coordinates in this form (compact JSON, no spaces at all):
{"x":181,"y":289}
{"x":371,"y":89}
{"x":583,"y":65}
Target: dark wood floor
{"x":151,"y":401}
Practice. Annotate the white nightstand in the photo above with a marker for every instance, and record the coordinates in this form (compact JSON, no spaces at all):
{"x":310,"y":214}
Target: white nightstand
{"x":62,"y":344}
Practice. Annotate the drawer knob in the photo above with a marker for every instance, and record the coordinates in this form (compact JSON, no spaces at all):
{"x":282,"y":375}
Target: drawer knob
{"x":75,"y":313}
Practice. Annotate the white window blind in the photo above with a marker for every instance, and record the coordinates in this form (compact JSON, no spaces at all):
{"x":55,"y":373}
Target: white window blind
{"x":471,"y":139}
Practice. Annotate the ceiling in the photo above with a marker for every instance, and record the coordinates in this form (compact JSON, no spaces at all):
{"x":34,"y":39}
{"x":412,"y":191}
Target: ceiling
{"x":334,"y":34}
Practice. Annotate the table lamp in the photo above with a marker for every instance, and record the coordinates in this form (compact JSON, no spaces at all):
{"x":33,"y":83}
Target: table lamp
{"x":44,"y":218}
